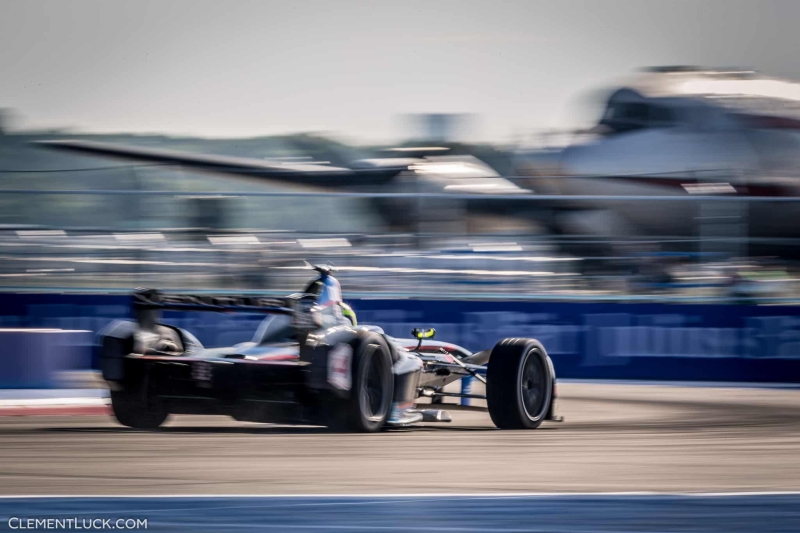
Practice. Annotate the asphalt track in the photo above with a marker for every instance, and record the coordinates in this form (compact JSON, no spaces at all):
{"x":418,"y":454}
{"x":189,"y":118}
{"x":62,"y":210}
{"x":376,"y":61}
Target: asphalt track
{"x":615,"y":438}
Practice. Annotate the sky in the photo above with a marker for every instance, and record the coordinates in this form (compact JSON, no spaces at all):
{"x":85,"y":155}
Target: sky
{"x":236,"y":68}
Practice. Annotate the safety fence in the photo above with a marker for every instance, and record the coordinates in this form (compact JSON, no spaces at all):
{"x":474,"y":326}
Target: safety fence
{"x":394,"y":244}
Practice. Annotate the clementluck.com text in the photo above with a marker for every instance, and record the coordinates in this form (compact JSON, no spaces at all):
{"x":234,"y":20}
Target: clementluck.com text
{"x":22,"y":523}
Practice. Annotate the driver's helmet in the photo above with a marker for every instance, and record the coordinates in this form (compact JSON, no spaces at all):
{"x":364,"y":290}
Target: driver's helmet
{"x":328,"y":294}
{"x":326,"y":289}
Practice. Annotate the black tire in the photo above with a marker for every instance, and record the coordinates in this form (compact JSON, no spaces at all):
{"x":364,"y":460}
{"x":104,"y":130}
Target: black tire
{"x":132,"y":409}
{"x":519,"y":384}
{"x":372,"y":387}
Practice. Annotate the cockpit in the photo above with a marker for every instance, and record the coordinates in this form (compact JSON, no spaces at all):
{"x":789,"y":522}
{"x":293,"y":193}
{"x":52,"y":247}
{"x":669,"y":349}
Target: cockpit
{"x":328,"y":298}
{"x":275,"y":329}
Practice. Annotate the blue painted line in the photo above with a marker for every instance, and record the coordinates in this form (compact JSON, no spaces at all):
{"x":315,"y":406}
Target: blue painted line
{"x":604,"y":513}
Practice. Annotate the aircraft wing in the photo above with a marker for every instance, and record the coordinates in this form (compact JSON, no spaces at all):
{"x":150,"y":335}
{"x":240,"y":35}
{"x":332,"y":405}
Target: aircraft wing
{"x":288,"y":172}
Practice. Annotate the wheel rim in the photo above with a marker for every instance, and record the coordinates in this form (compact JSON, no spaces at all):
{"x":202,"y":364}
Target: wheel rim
{"x":533,"y":385}
{"x":373,"y":396}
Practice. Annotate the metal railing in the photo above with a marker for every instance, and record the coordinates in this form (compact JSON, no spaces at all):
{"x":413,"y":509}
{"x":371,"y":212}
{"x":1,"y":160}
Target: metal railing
{"x":112,"y":240}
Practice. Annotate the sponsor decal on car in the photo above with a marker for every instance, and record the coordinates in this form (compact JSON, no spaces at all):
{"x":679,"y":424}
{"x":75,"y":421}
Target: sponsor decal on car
{"x":339,"y":363}
{"x":201,"y":373}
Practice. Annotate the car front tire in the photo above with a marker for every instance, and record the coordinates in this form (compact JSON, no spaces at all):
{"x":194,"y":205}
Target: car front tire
{"x":519,"y":384}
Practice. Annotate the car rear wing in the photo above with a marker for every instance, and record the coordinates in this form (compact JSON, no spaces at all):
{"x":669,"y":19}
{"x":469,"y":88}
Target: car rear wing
{"x":147,"y":304}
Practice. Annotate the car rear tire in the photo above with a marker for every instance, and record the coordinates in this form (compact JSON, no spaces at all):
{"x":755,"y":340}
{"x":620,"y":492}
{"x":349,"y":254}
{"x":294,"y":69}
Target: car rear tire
{"x":372,"y":387}
{"x":519,"y":384}
{"x":132,"y":409}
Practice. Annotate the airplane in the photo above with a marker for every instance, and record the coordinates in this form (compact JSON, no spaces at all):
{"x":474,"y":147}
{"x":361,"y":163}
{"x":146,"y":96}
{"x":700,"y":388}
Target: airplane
{"x":669,"y":131}
{"x":410,"y":173}
{"x":682,"y":131}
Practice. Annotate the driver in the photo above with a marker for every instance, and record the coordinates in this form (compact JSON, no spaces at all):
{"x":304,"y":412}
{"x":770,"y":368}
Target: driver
{"x":328,"y":293}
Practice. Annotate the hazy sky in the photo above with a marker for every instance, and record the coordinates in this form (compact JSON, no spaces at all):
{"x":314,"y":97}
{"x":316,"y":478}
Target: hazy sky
{"x":230,"y":68}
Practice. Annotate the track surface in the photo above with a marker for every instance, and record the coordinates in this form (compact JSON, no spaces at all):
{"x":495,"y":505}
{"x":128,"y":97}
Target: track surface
{"x":615,"y":438}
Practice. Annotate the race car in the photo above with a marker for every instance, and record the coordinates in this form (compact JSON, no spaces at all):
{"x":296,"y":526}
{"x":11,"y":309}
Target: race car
{"x":310,"y":362}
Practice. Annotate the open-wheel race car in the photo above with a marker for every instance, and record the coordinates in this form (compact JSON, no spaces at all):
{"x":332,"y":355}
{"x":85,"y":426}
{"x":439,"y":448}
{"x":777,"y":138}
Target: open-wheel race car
{"x":310,"y":362}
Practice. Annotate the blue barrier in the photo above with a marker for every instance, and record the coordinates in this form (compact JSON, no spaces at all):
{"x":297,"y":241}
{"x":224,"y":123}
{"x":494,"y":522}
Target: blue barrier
{"x":619,"y":341}
{"x":35,"y":358}
{"x":646,"y":341}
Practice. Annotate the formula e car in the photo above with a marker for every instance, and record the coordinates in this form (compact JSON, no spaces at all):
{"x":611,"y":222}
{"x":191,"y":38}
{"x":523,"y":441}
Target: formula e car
{"x":310,"y":362}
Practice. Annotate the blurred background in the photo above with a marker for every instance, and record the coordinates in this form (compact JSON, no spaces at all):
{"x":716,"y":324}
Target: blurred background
{"x":517,"y":154}
{"x":618,"y":179}
{"x":526,"y":150}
